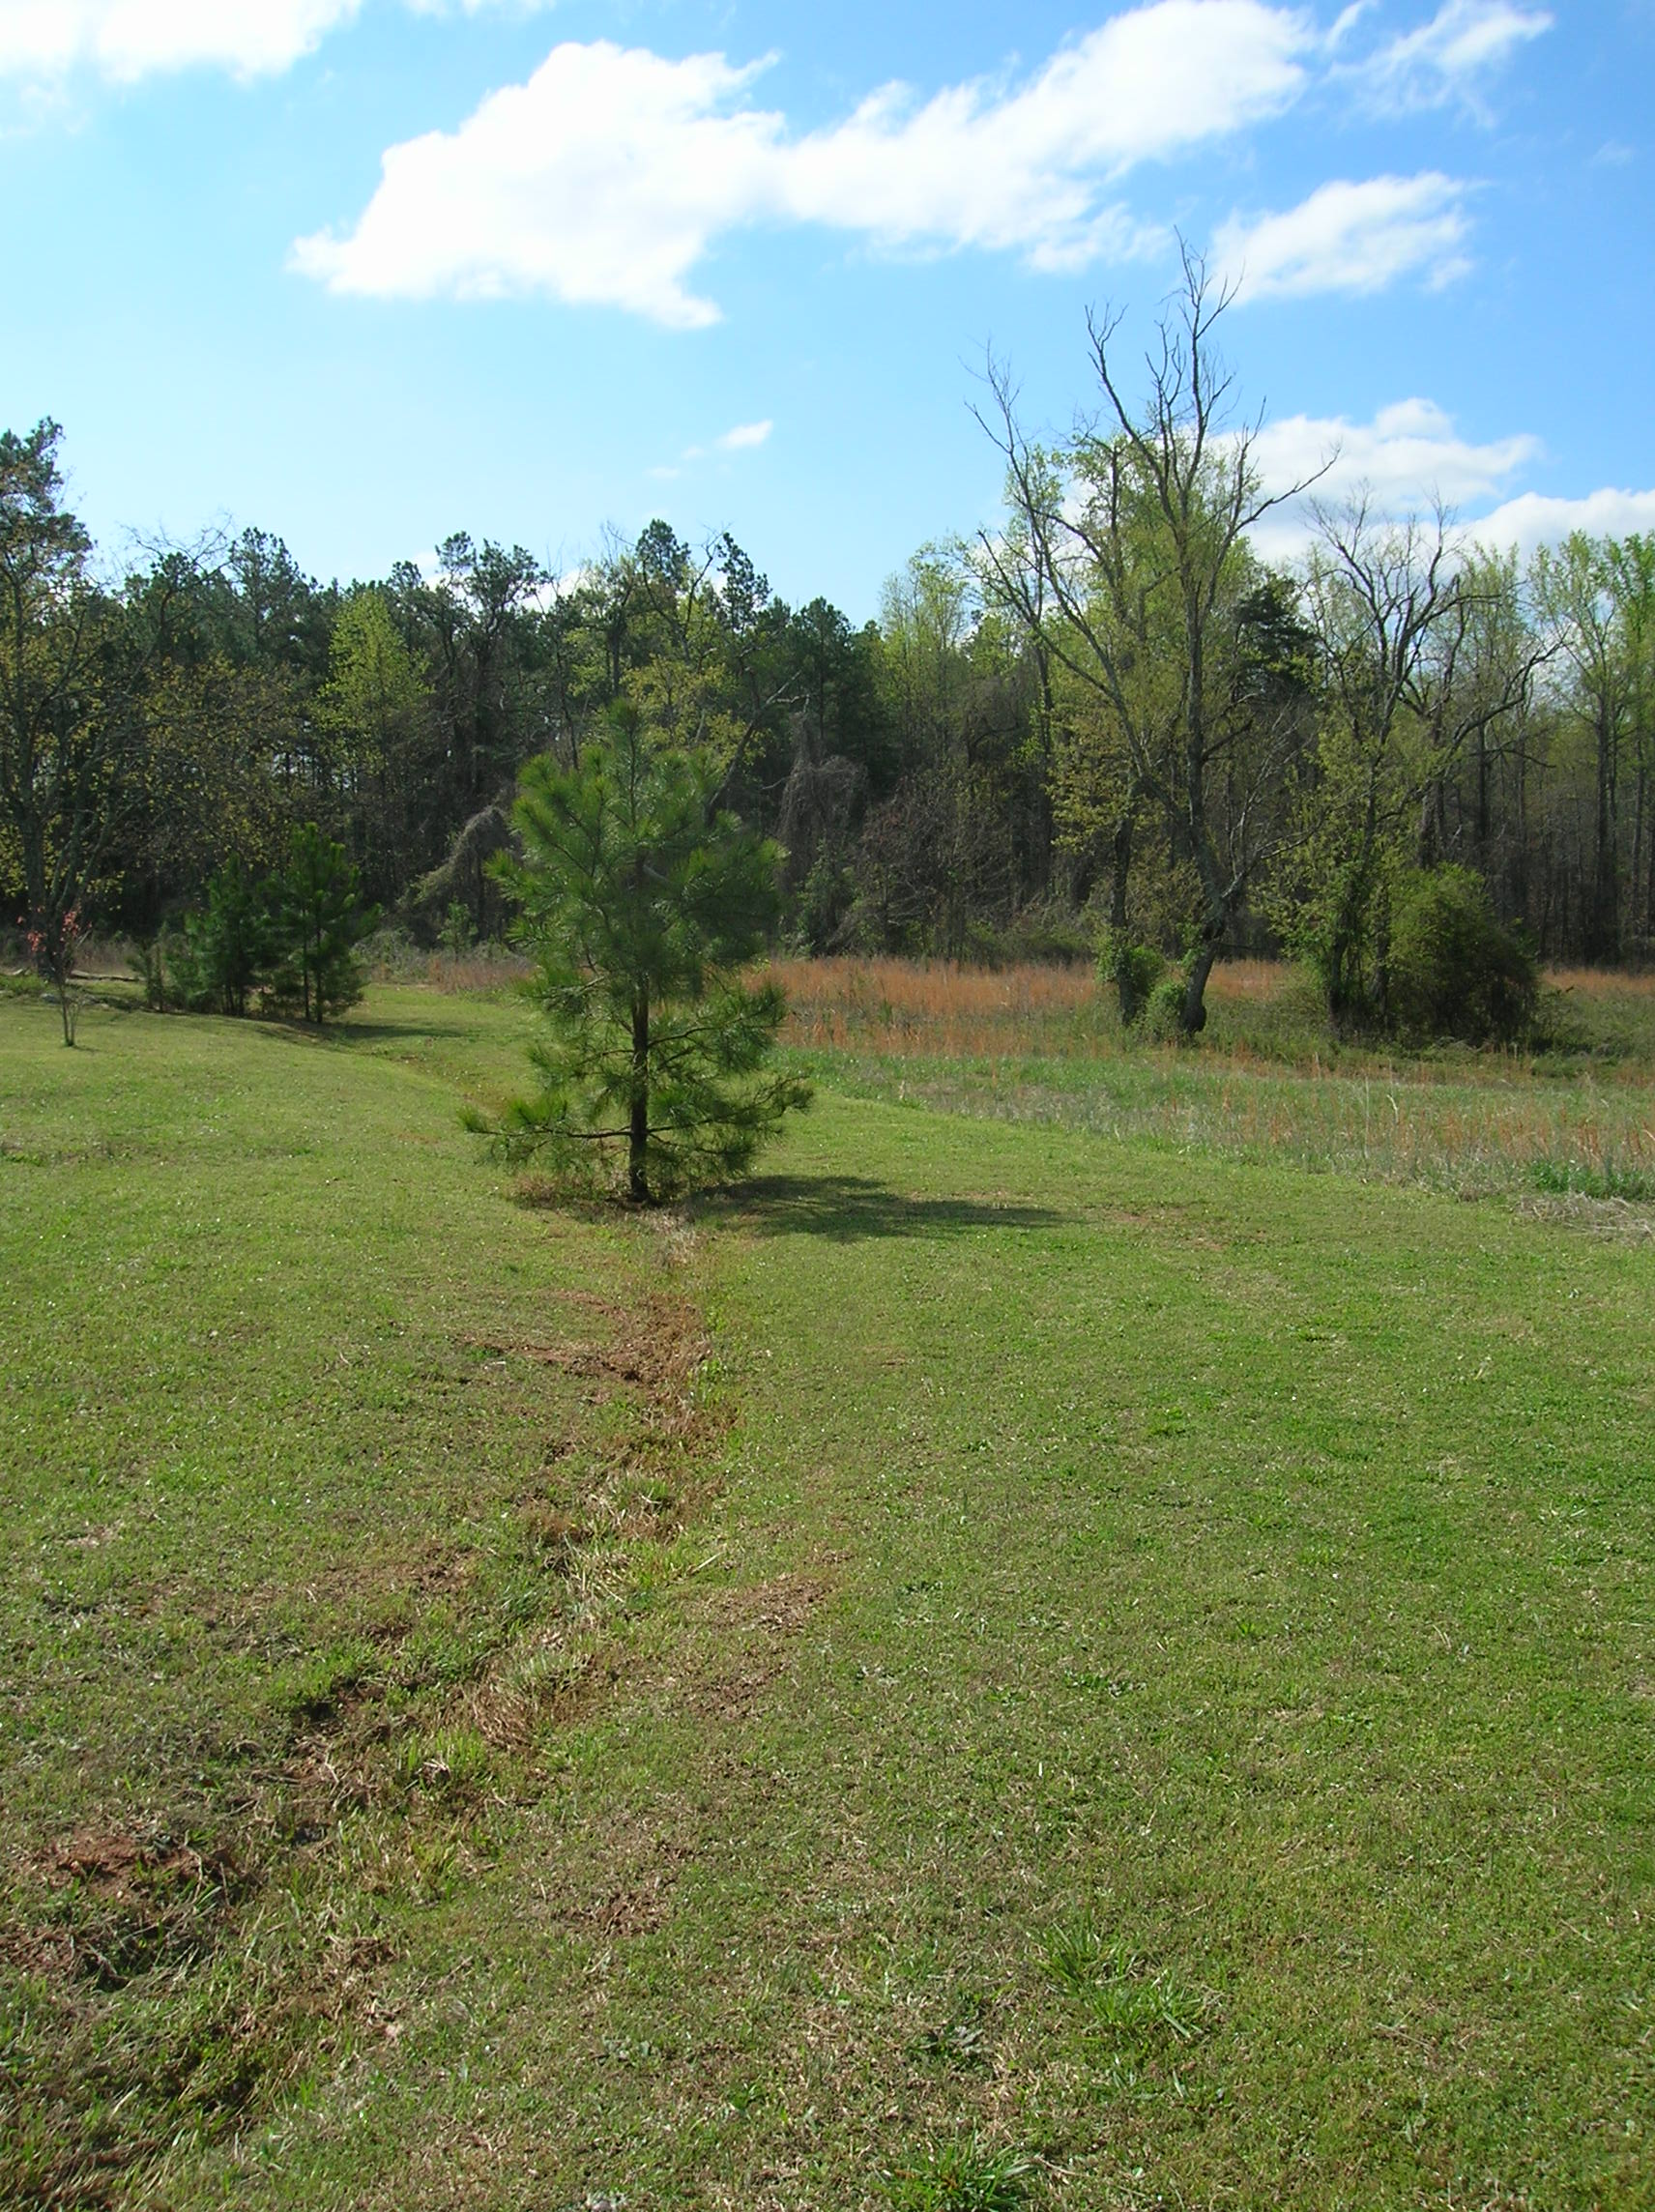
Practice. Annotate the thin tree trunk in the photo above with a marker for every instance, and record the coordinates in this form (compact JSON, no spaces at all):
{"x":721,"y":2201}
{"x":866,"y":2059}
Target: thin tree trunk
{"x":1193,"y":1019}
{"x":1606,"y":903}
{"x":638,"y":1142}
{"x":1119,"y":874}
{"x":1637,"y":870}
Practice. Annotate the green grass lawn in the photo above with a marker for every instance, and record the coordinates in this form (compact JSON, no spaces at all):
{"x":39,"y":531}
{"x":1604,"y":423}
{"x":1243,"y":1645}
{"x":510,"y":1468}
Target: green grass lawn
{"x":995,"y":1648}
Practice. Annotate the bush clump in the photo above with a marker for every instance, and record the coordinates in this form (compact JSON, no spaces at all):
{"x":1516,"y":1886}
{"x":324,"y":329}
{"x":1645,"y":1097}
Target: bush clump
{"x":1455,"y":969}
{"x":1133,"y":971}
{"x":290,"y":936}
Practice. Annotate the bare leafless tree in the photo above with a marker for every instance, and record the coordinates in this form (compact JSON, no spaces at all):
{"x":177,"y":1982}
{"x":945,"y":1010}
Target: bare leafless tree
{"x":1125,"y":555}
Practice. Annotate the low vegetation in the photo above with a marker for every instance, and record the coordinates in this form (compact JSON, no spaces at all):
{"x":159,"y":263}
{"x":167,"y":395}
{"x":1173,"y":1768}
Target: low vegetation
{"x":1267,"y":1083}
{"x":1029,"y":1655}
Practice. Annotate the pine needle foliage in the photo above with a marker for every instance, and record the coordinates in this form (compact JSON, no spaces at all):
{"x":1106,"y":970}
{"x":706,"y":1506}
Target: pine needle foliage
{"x":642,"y":901}
{"x":318,"y":920}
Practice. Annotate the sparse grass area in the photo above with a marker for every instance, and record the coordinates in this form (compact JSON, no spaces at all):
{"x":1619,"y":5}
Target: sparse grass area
{"x":994,"y":1664}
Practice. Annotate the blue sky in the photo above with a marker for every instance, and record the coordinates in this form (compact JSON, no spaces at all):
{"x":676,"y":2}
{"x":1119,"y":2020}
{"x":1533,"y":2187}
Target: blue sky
{"x":363,"y":271}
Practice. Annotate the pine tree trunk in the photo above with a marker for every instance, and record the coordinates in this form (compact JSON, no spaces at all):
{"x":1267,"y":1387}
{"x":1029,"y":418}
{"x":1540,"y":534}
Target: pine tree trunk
{"x":637,"y":1164}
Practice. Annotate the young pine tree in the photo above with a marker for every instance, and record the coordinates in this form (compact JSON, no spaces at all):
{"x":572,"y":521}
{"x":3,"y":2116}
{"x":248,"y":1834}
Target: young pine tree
{"x":318,"y":920}
{"x":641,"y":903}
{"x":228,"y":944}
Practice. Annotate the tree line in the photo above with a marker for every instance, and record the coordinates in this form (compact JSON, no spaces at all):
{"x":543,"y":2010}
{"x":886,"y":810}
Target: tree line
{"x":1106,"y":720}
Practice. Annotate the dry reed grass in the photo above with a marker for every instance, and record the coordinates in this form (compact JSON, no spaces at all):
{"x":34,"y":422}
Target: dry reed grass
{"x":934,"y":1007}
{"x":1266,"y":1082}
{"x":486,"y":968}
{"x":1604,"y":983}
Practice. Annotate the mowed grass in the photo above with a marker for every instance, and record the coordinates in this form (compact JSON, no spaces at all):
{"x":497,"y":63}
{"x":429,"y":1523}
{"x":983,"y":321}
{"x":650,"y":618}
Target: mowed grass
{"x":1080,"y":1672}
{"x":323,"y":1467}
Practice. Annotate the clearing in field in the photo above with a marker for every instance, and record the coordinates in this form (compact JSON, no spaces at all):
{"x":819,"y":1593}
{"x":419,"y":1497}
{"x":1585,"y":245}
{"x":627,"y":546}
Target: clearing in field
{"x":1089,"y":1649}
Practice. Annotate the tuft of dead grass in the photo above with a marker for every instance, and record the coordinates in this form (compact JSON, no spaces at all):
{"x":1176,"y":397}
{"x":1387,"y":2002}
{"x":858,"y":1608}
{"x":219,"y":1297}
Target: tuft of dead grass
{"x":484,"y":969}
{"x":1617,"y":1220}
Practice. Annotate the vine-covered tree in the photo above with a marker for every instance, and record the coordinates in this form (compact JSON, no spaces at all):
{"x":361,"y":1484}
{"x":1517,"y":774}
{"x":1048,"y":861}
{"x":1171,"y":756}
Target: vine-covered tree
{"x":642,"y":901}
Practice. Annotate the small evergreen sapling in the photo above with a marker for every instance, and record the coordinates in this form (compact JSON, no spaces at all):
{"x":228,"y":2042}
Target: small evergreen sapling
{"x":318,"y":920}
{"x":230,"y":943}
{"x":641,"y":902}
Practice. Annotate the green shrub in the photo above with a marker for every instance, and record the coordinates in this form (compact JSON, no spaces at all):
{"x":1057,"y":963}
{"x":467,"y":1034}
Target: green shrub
{"x":458,"y":933}
{"x":1164,"y":1011}
{"x":822,"y":903}
{"x":317,"y":921}
{"x":228,"y":946}
{"x":148,"y":965}
{"x":1051,"y":936}
{"x":1569,"y":1179}
{"x":1455,"y":971}
{"x":1133,"y":971}
{"x":1558,"y":1026}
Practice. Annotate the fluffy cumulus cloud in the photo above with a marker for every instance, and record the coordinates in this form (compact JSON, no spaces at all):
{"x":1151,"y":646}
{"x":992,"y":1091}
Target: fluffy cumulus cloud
{"x":1408,"y":459}
{"x":1350,"y":238}
{"x":126,"y":40}
{"x":1534,"y":519}
{"x":610,"y":175}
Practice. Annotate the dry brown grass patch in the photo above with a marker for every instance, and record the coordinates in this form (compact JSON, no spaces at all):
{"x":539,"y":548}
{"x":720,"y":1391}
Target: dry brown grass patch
{"x":762,"y":1619}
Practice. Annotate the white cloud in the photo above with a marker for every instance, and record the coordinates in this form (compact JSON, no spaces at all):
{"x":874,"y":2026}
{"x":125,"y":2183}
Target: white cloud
{"x":126,"y":40}
{"x":1442,"y":60}
{"x":1409,"y":457}
{"x":1349,"y":238}
{"x":1532,"y":520}
{"x":129,"y":39}
{"x":609,"y":176}
{"x":1406,"y":459}
{"x":744,"y":438}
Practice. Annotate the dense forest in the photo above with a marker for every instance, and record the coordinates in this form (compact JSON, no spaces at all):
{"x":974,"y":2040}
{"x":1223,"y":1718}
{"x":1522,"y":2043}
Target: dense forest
{"x":1106,"y":722}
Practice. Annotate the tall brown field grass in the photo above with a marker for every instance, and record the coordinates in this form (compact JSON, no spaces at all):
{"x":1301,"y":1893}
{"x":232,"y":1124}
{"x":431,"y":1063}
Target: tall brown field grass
{"x":1265,"y":1081}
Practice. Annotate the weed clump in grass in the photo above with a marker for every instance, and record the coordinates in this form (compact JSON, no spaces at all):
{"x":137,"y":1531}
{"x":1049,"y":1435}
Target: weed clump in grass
{"x":1124,"y":1998}
{"x":960,"y":2041}
{"x":961,"y":2175}
{"x":1570,"y":1178}
{"x":451,"y":1764}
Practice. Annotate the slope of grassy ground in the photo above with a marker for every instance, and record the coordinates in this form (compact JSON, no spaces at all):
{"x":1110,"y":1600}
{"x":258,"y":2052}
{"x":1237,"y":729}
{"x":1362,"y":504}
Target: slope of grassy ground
{"x":990,"y":1652}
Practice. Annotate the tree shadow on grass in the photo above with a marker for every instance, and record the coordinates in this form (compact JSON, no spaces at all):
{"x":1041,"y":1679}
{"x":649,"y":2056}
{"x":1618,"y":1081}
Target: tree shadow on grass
{"x":340,"y":1032}
{"x":847,"y":1207}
